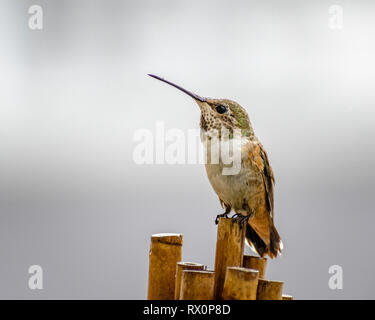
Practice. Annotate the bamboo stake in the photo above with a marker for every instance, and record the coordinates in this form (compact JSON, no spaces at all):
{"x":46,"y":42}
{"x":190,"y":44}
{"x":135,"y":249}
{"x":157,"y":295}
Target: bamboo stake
{"x":197,"y":285}
{"x":270,"y":290}
{"x":229,"y":250}
{"x":287,"y":297}
{"x":240,"y":284}
{"x":256,"y":263}
{"x":165,"y":252}
{"x":180,"y":267}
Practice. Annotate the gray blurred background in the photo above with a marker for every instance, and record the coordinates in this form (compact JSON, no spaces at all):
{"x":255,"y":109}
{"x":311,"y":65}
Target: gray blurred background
{"x":73,"y":201}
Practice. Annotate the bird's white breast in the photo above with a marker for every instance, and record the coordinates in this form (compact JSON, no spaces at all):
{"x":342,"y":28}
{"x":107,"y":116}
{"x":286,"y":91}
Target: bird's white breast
{"x":232,"y":188}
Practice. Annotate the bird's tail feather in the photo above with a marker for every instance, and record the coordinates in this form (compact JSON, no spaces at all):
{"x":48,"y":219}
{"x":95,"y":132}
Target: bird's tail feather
{"x":275,"y":246}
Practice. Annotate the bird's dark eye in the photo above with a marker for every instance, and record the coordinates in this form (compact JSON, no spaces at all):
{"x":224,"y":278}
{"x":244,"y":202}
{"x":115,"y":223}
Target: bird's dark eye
{"x":221,"y":109}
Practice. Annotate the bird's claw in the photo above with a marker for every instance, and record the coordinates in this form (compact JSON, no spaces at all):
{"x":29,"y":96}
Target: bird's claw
{"x":241,"y":219}
{"x":223,"y":215}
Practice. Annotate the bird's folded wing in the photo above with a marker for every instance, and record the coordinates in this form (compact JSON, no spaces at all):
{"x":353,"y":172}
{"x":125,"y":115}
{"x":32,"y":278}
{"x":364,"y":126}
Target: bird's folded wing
{"x":258,"y":157}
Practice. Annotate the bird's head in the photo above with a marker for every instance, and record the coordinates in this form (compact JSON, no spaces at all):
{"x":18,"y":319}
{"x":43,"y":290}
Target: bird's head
{"x":218,"y":114}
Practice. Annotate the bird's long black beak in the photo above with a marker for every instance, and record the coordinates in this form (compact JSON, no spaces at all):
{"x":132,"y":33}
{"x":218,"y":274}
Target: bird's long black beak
{"x":193,"y":95}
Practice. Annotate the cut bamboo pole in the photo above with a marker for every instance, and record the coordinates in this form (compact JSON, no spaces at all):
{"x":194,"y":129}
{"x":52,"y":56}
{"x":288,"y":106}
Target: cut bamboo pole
{"x":229,"y":250}
{"x":256,"y":263}
{"x":165,"y":252}
{"x":240,"y":284}
{"x":287,"y":297}
{"x":184,"y":266}
{"x":270,"y":290}
{"x":197,"y":285}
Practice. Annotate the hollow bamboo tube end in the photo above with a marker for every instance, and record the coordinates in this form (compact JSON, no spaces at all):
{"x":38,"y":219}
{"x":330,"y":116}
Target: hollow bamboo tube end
{"x":197,"y":285}
{"x":184,"y":266}
{"x":229,"y":250}
{"x":168,"y":238}
{"x":165,"y":252}
{"x":287,"y":297}
{"x":240,"y":284}
{"x":256,"y":263}
{"x":270,"y":290}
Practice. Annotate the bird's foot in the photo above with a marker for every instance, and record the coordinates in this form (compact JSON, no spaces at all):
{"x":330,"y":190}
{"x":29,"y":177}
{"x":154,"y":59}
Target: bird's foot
{"x":223,"y":215}
{"x":241,"y":219}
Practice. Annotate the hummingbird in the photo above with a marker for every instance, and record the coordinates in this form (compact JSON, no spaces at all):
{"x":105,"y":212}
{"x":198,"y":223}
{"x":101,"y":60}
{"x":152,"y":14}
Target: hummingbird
{"x":249,"y":192}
